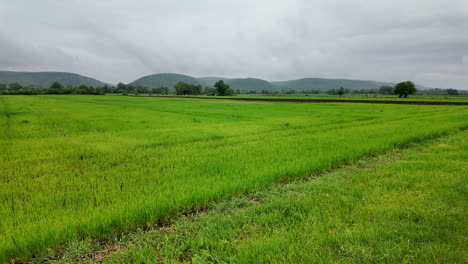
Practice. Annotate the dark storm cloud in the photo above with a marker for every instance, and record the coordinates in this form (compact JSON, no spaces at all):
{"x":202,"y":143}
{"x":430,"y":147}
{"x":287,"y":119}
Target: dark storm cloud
{"x":425,"y":41}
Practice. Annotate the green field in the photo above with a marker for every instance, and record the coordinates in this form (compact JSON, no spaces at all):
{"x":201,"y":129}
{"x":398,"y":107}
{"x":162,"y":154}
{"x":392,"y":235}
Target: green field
{"x":86,"y":166}
{"x":376,"y":97}
{"x":404,"y":207}
{"x":424,"y":98}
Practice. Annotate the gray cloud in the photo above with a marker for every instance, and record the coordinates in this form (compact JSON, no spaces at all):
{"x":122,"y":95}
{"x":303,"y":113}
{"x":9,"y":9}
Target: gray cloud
{"x":424,"y":41}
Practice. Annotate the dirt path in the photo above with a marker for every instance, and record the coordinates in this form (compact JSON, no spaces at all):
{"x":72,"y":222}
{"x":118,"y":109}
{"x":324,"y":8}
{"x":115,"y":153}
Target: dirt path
{"x":315,"y":100}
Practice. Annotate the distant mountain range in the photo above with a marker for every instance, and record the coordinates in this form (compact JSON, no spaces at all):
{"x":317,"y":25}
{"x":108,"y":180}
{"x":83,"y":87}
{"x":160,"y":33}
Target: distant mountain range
{"x":240,"y":83}
{"x":164,"y":79}
{"x":326,"y":84}
{"x":169,"y":79}
{"x":45,"y":79}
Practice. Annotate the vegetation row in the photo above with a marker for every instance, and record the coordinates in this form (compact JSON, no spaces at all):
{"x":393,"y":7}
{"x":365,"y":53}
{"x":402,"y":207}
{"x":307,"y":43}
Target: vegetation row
{"x":220,"y":88}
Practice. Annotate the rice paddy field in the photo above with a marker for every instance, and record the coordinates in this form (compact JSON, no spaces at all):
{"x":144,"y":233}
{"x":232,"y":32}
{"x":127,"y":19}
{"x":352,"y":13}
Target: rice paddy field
{"x":84,"y":167}
{"x":377,"y":97}
{"x":403,"y":207}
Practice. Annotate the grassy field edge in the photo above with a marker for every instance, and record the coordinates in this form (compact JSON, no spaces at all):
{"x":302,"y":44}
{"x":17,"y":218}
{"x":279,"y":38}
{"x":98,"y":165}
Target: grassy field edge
{"x":145,"y":245}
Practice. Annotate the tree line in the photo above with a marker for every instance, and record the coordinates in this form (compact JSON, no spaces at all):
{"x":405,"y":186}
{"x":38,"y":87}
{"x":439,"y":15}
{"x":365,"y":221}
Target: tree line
{"x":220,"y":88}
{"x":402,"y":89}
{"x":54,"y":88}
{"x":181,"y":88}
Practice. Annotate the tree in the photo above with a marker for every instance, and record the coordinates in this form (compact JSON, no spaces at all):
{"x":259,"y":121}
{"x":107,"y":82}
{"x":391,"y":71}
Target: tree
{"x":340,"y":91}
{"x":403,"y":89}
{"x":209,"y":91}
{"x":385,"y":89}
{"x":452,"y":92}
{"x":15,"y":86}
{"x":3,"y":87}
{"x":108,"y":89}
{"x":124,"y":88}
{"x":183,"y":88}
{"x":160,"y":90}
{"x":82,"y":89}
{"x":142,"y":89}
{"x":98,"y":91}
{"x":331,"y":91}
{"x":222,"y":88}
{"x":56,"y":85}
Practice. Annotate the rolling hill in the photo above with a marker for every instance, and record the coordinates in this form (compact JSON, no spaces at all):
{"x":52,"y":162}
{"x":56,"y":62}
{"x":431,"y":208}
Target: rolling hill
{"x":169,"y":79}
{"x":45,"y":79}
{"x":164,"y":79}
{"x":210,"y":81}
{"x":326,"y":84}
{"x":250,"y":84}
{"x":239,"y":83}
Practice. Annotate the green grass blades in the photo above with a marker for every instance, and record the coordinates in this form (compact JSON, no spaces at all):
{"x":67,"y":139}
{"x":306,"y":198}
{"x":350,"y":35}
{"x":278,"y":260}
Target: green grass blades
{"x":421,"y":98}
{"x":407,"y":207}
{"x":86,"y":166}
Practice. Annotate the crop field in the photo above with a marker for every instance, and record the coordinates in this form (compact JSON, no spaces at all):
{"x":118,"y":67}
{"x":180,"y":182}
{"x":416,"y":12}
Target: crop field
{"x":405,"y":206}
{"x":427,"y":98}
{"x":85,"y":166}
{"x":376,"y":97}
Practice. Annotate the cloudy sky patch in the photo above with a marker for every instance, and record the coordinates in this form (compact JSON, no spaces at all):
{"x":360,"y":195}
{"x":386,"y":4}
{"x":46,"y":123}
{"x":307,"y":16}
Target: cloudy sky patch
{"x":423,"y":41}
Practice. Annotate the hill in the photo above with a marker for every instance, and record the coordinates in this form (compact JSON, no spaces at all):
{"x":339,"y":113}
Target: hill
{"x":210,"y":81}
{"x":169,"y":79}
{"x":45,"y":79}
{"x":247,"y":84}
{"x":326,"y":84}
{"x":239,"y":83}
{"x":164,"y":79}
{"x":250,"y":84}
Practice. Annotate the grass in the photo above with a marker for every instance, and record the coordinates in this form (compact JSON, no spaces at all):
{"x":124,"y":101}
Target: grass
{"x":403,"y":207}
{"x":429,"y":98}
{"x":425,"y":98}
{"x":87,"y":166}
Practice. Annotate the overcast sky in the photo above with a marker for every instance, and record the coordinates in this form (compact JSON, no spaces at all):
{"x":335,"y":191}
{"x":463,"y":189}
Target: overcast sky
{"x":421,"y":40}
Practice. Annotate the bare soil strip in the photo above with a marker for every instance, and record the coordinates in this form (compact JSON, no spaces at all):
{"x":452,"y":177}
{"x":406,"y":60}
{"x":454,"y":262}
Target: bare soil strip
{"x":289,"y":100}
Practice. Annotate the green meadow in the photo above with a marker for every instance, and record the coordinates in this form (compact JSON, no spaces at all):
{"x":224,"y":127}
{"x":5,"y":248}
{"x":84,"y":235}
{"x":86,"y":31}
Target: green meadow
{"x":379,"y":97}
{"x":84,"y":167}
{"x":403,"y":207}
